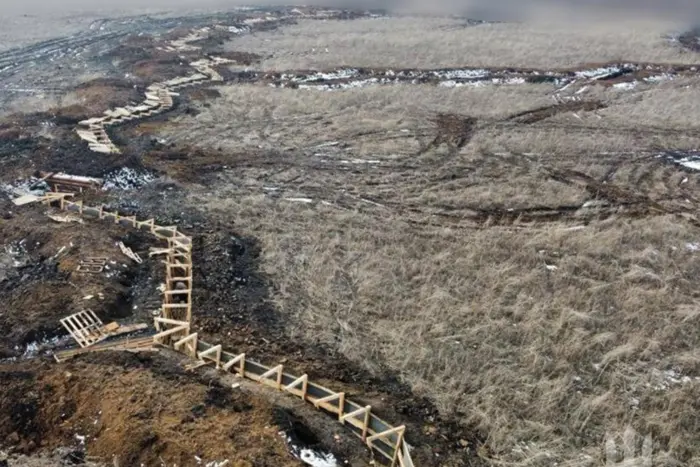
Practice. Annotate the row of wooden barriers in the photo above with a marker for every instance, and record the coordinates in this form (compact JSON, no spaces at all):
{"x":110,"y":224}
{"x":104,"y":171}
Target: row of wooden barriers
{"x":174,"y":330}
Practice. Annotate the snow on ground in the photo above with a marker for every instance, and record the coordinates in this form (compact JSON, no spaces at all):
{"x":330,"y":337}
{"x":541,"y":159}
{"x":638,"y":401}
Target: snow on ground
{"x":662,"y":380}
{"x":689,"y":159}
{"x":127,"y":179}
{"x":598,"y":72}
{"x":626,"y":86}
{"x":29,"y":186}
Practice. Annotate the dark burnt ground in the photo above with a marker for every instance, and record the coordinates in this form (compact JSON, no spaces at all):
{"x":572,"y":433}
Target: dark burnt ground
{"x":38,"y":286}
{"x":691,"y":39}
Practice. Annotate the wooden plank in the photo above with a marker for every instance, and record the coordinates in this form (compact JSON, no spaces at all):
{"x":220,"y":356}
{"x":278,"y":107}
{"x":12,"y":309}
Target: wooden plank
{"x":26,"y":199}
{"x":170,"y":321}
{"x":170,"y":332}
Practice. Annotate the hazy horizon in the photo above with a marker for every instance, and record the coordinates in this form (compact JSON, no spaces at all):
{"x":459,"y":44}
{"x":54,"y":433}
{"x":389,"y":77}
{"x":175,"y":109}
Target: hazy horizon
{"x":685,"y":10}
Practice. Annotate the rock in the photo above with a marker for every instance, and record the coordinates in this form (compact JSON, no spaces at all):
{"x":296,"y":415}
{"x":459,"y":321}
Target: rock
{"x":12,"y":439}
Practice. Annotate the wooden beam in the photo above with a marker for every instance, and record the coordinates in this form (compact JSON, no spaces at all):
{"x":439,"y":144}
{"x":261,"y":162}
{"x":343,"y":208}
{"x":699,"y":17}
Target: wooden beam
{"x":303,"y":381}
{"x":324,"y":403}
{"x":216,"y":350}
{"x":239,"y":359}
{"x":170,"y":321}
{"x":385,"y":434}
{"x":170,"y":332}
{"x":350,"y":417}
{"x":273,"y":371}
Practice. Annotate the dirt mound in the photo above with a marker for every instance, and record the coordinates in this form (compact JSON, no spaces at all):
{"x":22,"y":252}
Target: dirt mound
{"x":121,"y":413}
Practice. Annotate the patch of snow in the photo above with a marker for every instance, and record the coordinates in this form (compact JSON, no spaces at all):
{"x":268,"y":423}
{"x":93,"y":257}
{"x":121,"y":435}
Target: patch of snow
{"x":626,"y":86}
{"x":692,"y":246}
{"x":31,"y":186}
{"x":299,"y":200}
{"x":127,"y":179}
{"x":551,"y":267}
{"x":598,"y":72}
{"x":666,"y":379}
{"x":319,"y":76}
{"x":360,"y":161}
{"x":658,"y":78}
{"x":462,"y":74}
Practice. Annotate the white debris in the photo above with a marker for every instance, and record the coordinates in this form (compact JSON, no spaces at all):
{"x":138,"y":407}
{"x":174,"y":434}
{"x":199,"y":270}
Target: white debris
{"x":692,"y":246}
{"x":551,"y":267}
{"x":80,"y":438}
{"x":217,"y":464}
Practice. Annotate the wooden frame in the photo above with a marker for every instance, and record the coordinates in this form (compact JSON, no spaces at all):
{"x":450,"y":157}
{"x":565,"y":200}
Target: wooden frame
{"x":303,"y":380}
{"x":216,"y":351}
{"x":85,"y":327}
{"x":325,"y":403}
{"x":351,"y":419}
{"x":277,"y":372}
{"x":240,"y":359}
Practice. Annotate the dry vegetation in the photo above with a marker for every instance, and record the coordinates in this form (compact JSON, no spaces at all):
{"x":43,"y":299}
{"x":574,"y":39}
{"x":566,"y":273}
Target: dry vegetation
{"x":433,"y":43}
{"x":544,"y":336}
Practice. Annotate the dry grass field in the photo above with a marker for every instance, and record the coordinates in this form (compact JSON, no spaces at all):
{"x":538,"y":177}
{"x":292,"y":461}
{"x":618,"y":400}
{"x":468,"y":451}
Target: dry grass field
{"x":439,"y":42}
{"x":536,"y":279}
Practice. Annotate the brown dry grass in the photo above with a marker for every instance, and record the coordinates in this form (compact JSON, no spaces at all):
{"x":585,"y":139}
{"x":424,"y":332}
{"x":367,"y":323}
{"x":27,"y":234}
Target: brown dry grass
{"x":439,"y":42}
{"x":542,"y":336}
